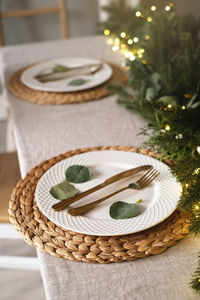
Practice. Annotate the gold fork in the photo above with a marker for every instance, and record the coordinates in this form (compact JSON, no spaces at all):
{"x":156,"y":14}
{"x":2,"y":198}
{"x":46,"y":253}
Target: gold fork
{"x":140,"y":184}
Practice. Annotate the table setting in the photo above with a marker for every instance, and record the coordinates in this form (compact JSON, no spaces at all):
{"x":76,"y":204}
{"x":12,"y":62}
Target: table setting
{"x":92,"y":200}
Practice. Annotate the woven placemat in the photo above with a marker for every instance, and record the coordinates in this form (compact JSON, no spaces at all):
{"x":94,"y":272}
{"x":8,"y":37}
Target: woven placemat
{"x":18,"y":89}
{"x":38,"y":231}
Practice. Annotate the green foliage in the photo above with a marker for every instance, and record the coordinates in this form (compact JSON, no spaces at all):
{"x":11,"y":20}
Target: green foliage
{"x":164,"y":86}
{"x":78,"y":174}
{"x":195,"y":282}
{"x":123,"y":210}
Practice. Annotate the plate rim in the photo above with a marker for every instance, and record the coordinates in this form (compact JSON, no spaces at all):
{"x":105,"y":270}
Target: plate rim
{"x":68,"y":89}
{"x":81,"y":217}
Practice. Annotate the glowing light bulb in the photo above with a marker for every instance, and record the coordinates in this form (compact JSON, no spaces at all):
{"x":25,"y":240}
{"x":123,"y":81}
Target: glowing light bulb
{"x":116,"y":40}
{"x":167,"y":8}
{"x":106,"y":32}
{"x":167,"y":127}
{"x":198,"y":149}
{"x":123,"y":34}
{"x":153,"y":8}
{"x":110,"y":41}
{"x":140,"y":55}
{"x":130,"y":41}
{"x":115,"y":48}
{"x":132,"y":57}
{"x":196,"y":171}
{"x":138,"y":14}
{"x":147,"y":37}
{"x":183,"y":107}
{"x":149,"y":19}
{"x":186,"y":185}
{"x":169,"y":106}
{"x":196,"y":207}
{"x":142,"y":50}
{"x":136,"y":39}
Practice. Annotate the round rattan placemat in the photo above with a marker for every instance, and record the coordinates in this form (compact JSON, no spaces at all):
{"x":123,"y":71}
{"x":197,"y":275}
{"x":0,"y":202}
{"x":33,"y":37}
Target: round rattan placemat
{"x":38,"y":231}
{"x":18,"y":89}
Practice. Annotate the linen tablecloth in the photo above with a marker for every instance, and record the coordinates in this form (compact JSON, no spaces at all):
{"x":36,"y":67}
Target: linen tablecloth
{"x":43,"y":131}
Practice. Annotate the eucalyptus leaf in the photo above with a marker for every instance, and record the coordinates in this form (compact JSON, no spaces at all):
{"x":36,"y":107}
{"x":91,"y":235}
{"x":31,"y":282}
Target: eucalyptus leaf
{"x":63,"y":191}
{"x":156,"y":81}
{"x":59,"y":68}
{"x":150,"y":93}
{"x":123,"y":210}
{"x":78,"y":174}
{"x":168,"y":100}
{"x":78,"y":81}
{"x":193,"y":103}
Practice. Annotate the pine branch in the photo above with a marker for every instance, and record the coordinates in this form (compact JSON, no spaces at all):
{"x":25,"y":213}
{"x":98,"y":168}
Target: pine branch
{"x":195,"y":282}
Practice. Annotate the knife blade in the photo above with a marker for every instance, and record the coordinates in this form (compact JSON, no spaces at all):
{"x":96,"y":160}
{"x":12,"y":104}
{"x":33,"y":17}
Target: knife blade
{"x":64,"y":203}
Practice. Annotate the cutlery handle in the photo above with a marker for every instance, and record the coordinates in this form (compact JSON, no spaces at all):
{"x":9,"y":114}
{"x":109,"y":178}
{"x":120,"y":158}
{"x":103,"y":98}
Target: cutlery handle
{"x":85,"y":208}
{"x":64,"y":203}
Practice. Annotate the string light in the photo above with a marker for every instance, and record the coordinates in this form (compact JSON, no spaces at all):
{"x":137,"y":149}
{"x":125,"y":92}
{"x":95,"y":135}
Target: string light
{"x":110,"y":41}
{"x":196,"y":207}
{"x":167,"y":128}
{"x":115,"y":48}
{"x":167,"y":8}
{"x":130,"y":41}
{"x":123,"y":34}
{"x":171,"y":4}
{"x":169,"y":106}
{"x":153,"y":8}
{"x":183,"y":107}
{"x":196,"y":171}
{"x":186,"y":185}
{"x":132,"y":57}
{"x":149,"y":19}
{"x":106,"y":32}
{"x":147,"y":37}
{"x":179,"y":136}
{"x":136,"y":39}
{"x":198,"y":149}
{"x":138,"y":14}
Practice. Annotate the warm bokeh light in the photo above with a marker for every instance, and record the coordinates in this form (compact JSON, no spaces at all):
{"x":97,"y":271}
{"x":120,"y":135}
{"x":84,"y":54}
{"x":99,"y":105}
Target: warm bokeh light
{"x":153,"y":8}
{"x":106,"y":31}
{"x":136,"y":39}
{"x":138,"y":14}
{"x":123,"y":34}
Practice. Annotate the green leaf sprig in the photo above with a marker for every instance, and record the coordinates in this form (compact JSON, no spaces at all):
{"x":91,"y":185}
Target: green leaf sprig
{"x":123,"y":210}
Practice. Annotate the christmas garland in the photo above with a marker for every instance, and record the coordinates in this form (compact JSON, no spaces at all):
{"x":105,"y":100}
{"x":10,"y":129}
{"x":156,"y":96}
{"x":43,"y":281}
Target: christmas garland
{"x":162,"y":58}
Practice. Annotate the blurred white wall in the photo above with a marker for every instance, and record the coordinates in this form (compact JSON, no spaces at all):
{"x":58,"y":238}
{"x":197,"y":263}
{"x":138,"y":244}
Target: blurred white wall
{"x":82,"y":18}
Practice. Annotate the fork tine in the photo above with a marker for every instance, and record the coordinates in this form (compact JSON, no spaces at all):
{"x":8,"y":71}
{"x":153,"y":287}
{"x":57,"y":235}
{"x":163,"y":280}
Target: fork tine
{"x":148,"y":177}
{"x":144,"y":176}
{"x":153,"y":177}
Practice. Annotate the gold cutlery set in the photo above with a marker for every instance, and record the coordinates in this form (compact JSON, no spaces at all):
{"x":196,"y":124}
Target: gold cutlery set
{"x":140,"y":184}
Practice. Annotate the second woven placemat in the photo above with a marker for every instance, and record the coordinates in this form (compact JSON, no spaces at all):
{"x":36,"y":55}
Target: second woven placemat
{"x":18,"y":89}
{"x":38,"y":231}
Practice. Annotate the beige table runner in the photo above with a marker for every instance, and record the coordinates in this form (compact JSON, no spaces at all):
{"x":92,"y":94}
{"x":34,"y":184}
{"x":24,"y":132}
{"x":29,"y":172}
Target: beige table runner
{"x":45,"y":131}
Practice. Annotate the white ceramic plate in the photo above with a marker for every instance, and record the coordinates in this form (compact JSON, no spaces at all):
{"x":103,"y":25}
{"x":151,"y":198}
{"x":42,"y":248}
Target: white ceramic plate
{"x":28,"y":76}
{"x":159,"y":199}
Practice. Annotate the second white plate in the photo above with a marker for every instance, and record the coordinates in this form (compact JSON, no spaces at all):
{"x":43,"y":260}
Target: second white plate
{"x":159,"y":199}
{"x":28,"y":76}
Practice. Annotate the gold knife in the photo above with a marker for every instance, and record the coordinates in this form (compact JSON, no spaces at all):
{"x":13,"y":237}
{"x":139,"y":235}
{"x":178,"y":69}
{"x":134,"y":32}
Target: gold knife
{"x":64,"y":203}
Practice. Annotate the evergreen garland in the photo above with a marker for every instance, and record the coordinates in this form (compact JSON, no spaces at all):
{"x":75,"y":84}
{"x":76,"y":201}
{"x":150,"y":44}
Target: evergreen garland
{"x":163,"y":66}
